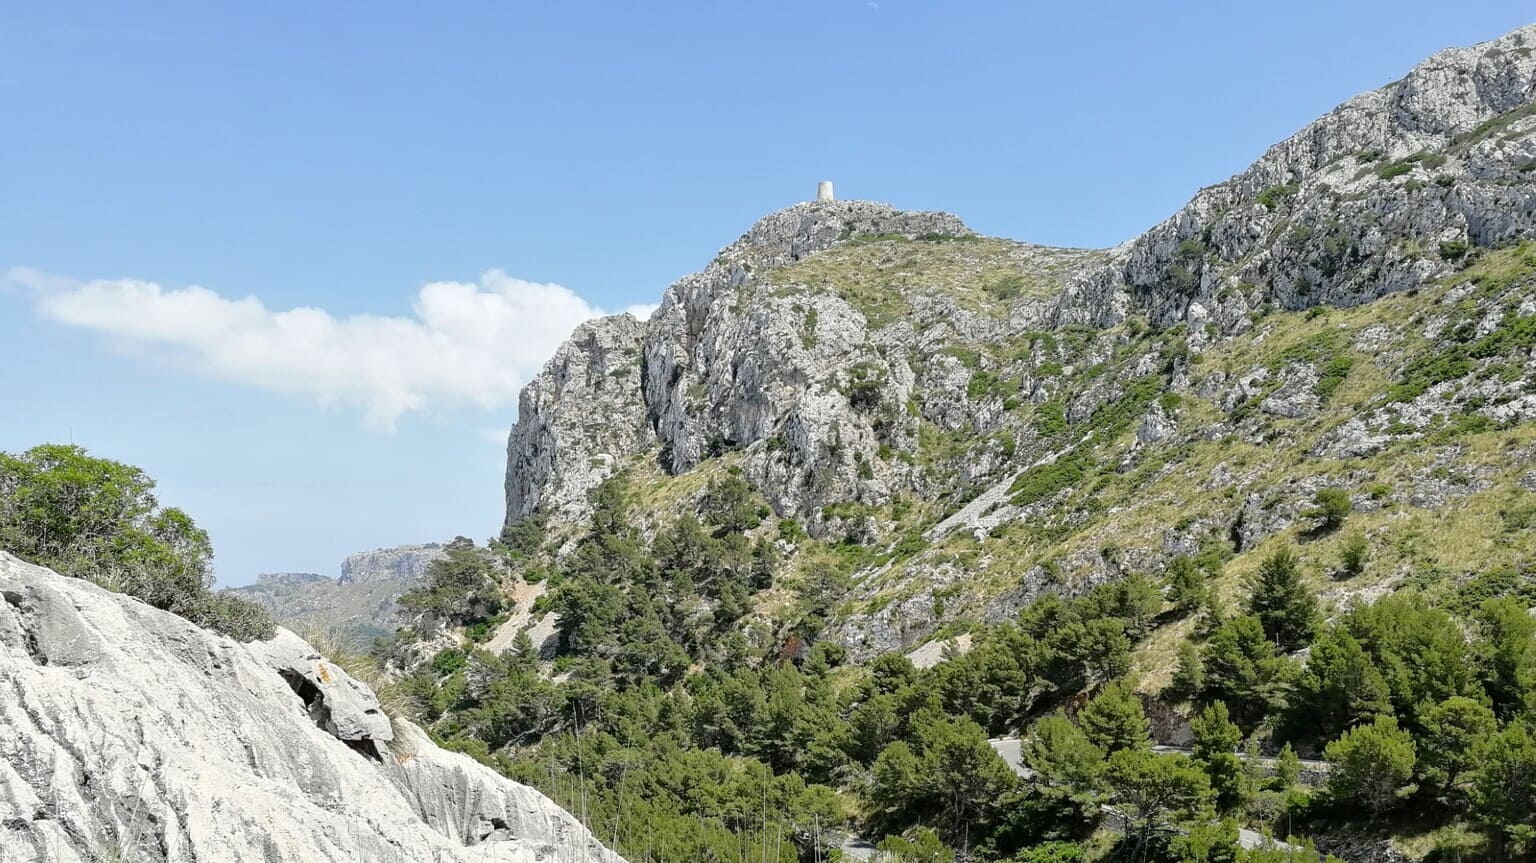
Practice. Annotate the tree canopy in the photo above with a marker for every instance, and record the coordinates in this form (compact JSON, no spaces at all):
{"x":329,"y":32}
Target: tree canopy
{"x":99,"y":520}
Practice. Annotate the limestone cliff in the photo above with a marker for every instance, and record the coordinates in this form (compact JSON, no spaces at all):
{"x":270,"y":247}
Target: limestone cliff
{"x":399,"y":563}
{"x":754,"y":353}
{"x":127,"y":733}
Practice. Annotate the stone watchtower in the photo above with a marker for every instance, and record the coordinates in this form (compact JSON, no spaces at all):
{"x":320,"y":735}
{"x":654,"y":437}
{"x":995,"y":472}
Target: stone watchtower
{"x":824,"y":191}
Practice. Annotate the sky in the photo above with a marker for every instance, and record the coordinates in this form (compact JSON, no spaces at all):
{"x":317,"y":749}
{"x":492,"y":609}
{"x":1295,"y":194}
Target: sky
{"x":295,"y":260}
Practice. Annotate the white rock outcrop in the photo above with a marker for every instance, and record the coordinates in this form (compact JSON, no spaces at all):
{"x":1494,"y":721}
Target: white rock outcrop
{"x":127,"y":733}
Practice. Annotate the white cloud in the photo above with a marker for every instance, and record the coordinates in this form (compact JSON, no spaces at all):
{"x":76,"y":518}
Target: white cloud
{"x":464,"y":346}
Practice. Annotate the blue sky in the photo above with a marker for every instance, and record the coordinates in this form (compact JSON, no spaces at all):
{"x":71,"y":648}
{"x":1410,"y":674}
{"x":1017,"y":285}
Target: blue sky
{"x":449,"y":189}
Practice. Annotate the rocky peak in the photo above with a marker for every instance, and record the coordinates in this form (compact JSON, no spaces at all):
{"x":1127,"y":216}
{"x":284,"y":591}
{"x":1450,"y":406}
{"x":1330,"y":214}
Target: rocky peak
{"x":803,"y":229}
{"x":682,"y":351}
{"x":639,"y":375}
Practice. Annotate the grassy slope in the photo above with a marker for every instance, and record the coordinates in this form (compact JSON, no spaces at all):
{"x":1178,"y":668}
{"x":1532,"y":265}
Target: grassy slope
{"x":1478,"y":527}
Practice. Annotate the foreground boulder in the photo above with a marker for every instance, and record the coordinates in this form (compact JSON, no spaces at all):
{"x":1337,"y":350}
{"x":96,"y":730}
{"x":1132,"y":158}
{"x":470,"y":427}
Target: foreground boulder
{"x":127,"y":733}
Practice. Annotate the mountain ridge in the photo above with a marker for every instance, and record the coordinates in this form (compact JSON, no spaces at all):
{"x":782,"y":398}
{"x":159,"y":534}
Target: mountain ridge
{"x":1449,"y":94}
{"x":357,"y":604}
{"x":850,"y":358}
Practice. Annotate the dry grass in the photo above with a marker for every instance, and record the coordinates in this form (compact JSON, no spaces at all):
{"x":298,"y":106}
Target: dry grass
{"x":879,"y":277}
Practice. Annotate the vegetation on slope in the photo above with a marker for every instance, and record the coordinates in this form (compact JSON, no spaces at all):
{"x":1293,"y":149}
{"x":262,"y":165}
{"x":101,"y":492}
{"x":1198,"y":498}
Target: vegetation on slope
{"x":98,"y":519}
{"x":680,"y":743}
{"x":1411,"y":371}
{"x":882,"y":276}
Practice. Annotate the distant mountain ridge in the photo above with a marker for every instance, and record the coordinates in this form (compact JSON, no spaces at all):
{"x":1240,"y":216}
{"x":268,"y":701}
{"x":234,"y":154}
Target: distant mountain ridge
{"x":360,"y":603}
{"x":401,"y":562}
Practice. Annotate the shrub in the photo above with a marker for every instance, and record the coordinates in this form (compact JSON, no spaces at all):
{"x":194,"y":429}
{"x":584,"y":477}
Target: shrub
{"x":1354,"y":554}
{"x":864,"y":393}
{"x":1050,"y":418}
{"x":1008,"y":287}
{"x":984,"y":384}
{"x":730,"y":504}
{"x":924,"y":847}
{"x":1454,"y":250}
{"x":1514,"y":333}
{"x":1332,"y":375}
{"x":1191,"y":249}
{"x":791,"y":531}
{"x":235,"y":616}
{"x":1273,"y":195}
{"x":1330,"y":507}
{"x":1428,"y":370}
{"x":1051,"y":852}
{"x":98,"y":519}
{"x":448,"y":660}
{"x":1044,"y":480}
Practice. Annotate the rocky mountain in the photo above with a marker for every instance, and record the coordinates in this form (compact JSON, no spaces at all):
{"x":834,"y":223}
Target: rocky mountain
{"x":400,"y":563}
{"x":360,"y":604}
{"x":132,"y":734}
{"x":994,"y":419}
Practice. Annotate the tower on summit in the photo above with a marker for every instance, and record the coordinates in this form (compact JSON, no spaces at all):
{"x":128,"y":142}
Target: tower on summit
{"x":824,"y":191}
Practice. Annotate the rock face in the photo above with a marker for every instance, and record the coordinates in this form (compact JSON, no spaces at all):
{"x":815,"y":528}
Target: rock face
{"x":338,"y":703}
{"x":401,"y":563}
{"x":753,"y":353}
{"x":359,"y":605}
{"x":1357,"y":204}
{"x":578,"y":418}
{"x":127,"y":733}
